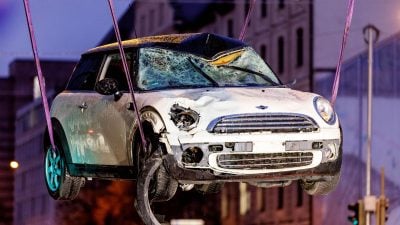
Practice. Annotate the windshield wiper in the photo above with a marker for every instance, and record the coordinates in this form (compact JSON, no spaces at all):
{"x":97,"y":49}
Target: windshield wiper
{"x":265,"y":77}
{"x":204,"y":74}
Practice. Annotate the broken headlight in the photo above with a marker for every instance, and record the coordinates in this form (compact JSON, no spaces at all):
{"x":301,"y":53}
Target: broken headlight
{"x":184,"y":118}
{"x":324,"y":109}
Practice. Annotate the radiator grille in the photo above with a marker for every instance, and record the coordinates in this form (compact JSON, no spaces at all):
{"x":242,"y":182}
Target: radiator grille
{"x":275,"y":123}
{"x":264,"y":160}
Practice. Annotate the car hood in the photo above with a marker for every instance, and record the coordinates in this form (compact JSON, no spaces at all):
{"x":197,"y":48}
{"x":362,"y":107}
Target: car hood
{"x":212,"y":103}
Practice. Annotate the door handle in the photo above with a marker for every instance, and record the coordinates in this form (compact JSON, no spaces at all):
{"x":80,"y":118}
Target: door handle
{"x":83,"y":106}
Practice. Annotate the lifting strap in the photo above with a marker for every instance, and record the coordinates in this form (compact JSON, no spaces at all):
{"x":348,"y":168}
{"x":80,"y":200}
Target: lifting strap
{"x":246,"y":22}
{"x":127,"y":72}
{"x":41,"y":80}
{"x":335,"y":87}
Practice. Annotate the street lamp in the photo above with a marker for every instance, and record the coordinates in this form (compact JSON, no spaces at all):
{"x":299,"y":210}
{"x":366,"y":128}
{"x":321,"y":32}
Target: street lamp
{"x":14,"y":164}
{"x":371,"y":35}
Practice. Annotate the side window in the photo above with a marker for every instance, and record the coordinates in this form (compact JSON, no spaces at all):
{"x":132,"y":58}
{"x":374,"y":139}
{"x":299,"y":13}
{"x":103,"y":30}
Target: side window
{"x":85,"y":73}
{"x":113,"y":68}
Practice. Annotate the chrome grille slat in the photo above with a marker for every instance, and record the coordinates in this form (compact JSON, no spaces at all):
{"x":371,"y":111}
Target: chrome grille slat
{"x":260,"y":166}
{"x":264,"y":160}
{"x":243,"y":160}
{"x":272,"y":122}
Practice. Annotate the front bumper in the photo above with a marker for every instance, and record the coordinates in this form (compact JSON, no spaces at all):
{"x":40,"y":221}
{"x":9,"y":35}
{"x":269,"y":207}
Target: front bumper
{"x":185,"y":175}
{"x":271,"y":157}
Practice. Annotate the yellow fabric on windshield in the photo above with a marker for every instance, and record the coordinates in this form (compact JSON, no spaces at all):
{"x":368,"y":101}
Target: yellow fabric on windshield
{"x":225,"y":59}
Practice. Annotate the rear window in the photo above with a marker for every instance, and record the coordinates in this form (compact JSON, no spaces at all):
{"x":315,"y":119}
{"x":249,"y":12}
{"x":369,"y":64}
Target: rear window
{"x":85,"y":73}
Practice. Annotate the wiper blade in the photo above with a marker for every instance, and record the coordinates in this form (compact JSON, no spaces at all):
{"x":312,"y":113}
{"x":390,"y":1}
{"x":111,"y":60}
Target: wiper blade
{"x":198,"y":69}
{"x":265,"y":77}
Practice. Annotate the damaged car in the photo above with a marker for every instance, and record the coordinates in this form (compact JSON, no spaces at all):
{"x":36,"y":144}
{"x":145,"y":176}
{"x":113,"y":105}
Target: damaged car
{"x":211,"y":110}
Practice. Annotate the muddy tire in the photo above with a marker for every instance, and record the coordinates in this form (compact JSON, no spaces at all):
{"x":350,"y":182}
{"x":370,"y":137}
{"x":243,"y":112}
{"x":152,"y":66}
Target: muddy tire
{"x":320,"y":187}
{"x":60,"y":185}
{"x":165,"y":187}
{"x":162,"y":186}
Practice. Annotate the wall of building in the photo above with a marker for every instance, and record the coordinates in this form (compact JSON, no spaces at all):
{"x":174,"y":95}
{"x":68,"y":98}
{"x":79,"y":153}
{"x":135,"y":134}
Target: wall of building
{"x":6,"y":150}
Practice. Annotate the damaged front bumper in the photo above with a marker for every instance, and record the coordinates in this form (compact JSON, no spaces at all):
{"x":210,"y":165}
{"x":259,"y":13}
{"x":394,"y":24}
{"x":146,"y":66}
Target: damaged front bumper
{"x":255,"y":158}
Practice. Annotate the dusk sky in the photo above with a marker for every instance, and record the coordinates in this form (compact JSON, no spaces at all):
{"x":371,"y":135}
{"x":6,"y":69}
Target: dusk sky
{"x":63,"y":29}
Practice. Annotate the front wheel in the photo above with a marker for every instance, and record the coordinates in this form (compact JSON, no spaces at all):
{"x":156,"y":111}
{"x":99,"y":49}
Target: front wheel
{"x":162,"y":186}
{"x":320,"y":187}
{"x":60,"y":185}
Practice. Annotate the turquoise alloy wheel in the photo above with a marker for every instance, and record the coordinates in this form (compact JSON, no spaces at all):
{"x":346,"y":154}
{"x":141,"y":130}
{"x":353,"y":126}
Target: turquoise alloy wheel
{"x":54,"y":167}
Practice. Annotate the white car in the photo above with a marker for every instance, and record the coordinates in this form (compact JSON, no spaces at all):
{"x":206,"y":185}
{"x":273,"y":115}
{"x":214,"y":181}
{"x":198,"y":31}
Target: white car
{"x":212,"y":111}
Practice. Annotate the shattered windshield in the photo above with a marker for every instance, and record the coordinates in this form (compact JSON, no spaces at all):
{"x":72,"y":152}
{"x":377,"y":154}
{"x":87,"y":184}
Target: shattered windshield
{"x":167,"y":69}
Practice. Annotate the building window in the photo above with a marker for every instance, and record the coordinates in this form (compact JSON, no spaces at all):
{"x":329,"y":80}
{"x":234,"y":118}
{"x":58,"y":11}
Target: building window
{"x":245,"y":202}
{"x":281,"y":55}
{"x":264,"y":8}
{"x":230,"y":28}
{"x":259,"y":199}
{"x":299,"y":195}
{"x":246,"y":11}
{"x":151,"y":20}
{"x":280,"y":197}
{"x":263,"y":52}
{"x":36,"y":88}
{"x":281,"y":4}
{"x":225,"y":203}
{"x":142,"y":25}
{"x":161,"y":13}
{"x":246,"y":8}
{"x":299,"y":47}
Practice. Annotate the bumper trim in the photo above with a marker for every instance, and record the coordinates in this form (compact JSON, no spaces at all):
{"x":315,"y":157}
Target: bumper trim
{"x":185,"y":175}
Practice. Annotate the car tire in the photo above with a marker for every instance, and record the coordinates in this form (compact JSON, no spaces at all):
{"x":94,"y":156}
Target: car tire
{"x":165,"y":187}
{"x":320,"y":187}
{"x":60,"y":185}
{"x":162,"y":186}
{"x":212,"y":188}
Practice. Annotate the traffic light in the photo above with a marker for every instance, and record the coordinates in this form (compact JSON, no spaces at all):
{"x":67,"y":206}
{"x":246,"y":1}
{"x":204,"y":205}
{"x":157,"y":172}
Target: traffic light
{"x":357,"y":216}
{"x":382,"y":204}
{"x":353,"y":218}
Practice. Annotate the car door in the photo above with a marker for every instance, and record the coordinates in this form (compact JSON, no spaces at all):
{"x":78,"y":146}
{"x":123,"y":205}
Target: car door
{"x":73,"y":105}
{"x":109,"y":118}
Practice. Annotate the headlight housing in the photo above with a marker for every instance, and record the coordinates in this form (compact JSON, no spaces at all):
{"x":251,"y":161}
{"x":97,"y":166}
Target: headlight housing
{"x":325,"y":110}
{"x":184,"y":118}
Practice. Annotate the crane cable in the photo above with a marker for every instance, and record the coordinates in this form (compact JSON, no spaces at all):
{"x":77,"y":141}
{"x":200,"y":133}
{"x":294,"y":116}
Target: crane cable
{"x":41,"y":80}
{"x":335,"y":87}
{"x":246,"y":21}
{"x":127,"y":72}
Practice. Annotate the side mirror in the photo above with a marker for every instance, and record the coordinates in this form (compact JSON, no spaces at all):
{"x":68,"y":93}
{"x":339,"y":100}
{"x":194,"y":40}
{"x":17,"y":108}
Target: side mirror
{"x":106,"y":86}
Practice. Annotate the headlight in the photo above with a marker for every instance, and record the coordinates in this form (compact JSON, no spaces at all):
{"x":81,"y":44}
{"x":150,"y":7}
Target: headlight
{"x":184,"y":118}
{"x":325,"y":110}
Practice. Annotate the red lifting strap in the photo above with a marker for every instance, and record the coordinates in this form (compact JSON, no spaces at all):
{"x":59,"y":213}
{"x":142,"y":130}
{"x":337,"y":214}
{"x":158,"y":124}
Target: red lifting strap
{"x":127,"y":72}
{"x":39,"y":71}
{"x":335,"y":88}
{"x":246,"y":22}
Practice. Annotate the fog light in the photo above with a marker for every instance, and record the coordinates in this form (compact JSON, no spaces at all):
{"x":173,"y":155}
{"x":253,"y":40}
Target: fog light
{"x":317,"y":145}
{"x":215,"y":148}
{"x":192,"y":155}
{"x":330,"y":152}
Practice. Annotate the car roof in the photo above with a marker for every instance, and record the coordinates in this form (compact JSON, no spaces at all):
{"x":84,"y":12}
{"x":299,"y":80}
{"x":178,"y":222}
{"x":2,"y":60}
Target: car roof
{"x":202,"y":44}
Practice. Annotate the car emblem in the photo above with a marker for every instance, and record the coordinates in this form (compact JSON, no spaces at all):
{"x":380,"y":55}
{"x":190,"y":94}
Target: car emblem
{"x":262,"y":107}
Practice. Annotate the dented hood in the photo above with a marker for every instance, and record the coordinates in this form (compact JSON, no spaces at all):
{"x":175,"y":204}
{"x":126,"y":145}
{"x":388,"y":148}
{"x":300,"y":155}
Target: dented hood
{"x":211,"y":103}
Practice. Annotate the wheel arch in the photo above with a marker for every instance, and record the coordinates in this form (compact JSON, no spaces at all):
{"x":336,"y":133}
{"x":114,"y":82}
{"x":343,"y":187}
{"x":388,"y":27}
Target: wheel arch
{"x":59,"y":138}
{"x":151,"y":121}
